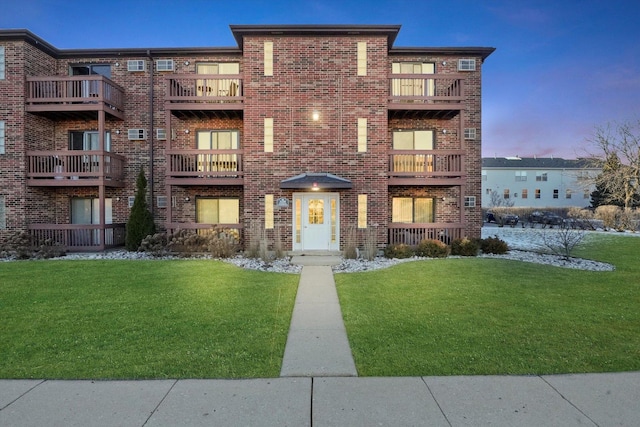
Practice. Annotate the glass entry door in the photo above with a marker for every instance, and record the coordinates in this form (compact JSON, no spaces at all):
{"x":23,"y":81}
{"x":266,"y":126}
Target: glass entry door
{"x":316,"y":221}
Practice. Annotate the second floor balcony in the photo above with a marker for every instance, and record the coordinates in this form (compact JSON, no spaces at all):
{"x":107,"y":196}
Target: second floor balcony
{"x":189,"y":94}
{"x":74,"y":168}
{"x":204,"y":167}
{"x":426,"y":167}
{"x":436,"y":95}
{"x":74,"y":96}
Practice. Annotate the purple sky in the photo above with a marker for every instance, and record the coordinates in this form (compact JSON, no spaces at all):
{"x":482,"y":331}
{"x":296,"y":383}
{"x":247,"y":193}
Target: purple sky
{"x":561,"y":68}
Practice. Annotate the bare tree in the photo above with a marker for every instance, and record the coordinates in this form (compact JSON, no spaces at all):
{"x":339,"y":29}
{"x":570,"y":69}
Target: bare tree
{"x":498,"y":201}
{"x":563,"y":240}
{"x":618,"y":152}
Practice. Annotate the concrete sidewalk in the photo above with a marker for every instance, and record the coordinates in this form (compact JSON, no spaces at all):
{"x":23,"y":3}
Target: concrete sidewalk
{"x":558,"y":400}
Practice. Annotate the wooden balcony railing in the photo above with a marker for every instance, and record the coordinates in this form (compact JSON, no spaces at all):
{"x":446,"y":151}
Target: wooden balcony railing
{"x":426,"y":91}
{"x":204,"y":167}
{"x":78,"y":237}
{"x":424,"y":167}
{"x":207,"y":91}
{"x":74,"y":168}
{"x":413,"y":234}
{"x":74,"y":93}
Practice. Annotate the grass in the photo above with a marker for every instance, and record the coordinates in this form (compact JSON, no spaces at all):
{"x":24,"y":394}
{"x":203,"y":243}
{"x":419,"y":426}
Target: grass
{"x":489,"y":316}
{"x":142,"y":319}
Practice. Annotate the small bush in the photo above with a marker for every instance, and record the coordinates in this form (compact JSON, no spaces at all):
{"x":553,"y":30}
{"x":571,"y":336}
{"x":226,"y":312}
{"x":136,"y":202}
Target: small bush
{"x":155,"y":244}
{"x":50,"y":249}
{"x":494,"y":245}
{"x":351,"y":243}
{"x":398,"y":251}
{"x":465,"y":247}
{"x":187,"y":241}
{"x":431,"y":248}
{"x":18,"y":245}
{"x":223,"y":243}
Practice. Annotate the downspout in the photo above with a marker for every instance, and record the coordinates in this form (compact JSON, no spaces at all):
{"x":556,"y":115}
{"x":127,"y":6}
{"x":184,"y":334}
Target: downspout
{"x":151,"y":136}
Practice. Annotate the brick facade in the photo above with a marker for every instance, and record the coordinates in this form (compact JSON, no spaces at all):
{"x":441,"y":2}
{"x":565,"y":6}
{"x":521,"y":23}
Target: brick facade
{"x":314,"y":70}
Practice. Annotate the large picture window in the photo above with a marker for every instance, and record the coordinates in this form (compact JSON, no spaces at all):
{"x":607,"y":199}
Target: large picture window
{"x":217,"y":211}
{"x":412,"y":210}
{"x":217,"y":140}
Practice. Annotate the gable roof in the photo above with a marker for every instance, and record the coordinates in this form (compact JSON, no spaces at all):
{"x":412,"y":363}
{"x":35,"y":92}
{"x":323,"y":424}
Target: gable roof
{"x":536,"y":163}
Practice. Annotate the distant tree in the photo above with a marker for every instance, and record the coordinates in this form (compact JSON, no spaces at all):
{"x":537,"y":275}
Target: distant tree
{"x":497,"y":200}
{"x":618,"y":152}
{"x":140,"y":223}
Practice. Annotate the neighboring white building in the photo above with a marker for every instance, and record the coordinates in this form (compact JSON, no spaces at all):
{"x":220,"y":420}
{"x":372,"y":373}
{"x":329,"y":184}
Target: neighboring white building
{"x":537,"y":182}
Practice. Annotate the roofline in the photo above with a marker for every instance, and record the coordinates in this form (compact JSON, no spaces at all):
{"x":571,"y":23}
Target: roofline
{"x":483,"y":52}
{"x":29,"y":37}
{"x":239,"y":31}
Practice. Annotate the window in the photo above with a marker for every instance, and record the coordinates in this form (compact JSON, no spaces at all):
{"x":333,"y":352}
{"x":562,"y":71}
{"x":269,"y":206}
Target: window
{"x":469,"y":201}
{"x":537,"y":193}
{"x":567,"y":194}
{"x":484,"y":175}
{"x":3,"y":138}
{"x":521,"y":176}
{"x":217,"y":140}
{"x":555,"y":193}
{"x":413,"y":210}
{"x":362,"y":58}
{"x":413,"y":140}
{"x":268,"y":211}
{"x":164,"y":65}
{"x":541,"y":176}
{"x":362,"y":135}
{"x":91,"y":69}
{"x":3,"y":213}
{"x":218,"y":86}
{"x":418,"y":86}
{"x":470,"y":133}
{"x":505,"y":193}
{"x":88,"y":141}
{"x":466,"y":64}
{"x":2,"y":63}
{"x":268,"y":135}
{"x":268,"y":58}
{"x":362,"y":211}
{"x":134,"y":65}
{"x":217,"y":211}
{"x":524,"y":193}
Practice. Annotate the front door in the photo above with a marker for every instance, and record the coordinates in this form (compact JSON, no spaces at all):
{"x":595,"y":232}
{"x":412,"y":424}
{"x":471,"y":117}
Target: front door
{"x":316,"y":221}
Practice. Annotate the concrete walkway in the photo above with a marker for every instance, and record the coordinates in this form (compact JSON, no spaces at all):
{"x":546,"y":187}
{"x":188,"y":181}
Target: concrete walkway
{"x":317,"y":343}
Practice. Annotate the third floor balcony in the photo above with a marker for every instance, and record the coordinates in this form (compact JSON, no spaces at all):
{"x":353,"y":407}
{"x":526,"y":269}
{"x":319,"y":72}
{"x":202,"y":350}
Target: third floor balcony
{"x":197,"y":94}
{"x":435,"y":95}
{"x":74,"y":96}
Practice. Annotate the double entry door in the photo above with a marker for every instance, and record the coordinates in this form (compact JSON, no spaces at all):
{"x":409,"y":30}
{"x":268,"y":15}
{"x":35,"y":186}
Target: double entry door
{"x":316,"y":221}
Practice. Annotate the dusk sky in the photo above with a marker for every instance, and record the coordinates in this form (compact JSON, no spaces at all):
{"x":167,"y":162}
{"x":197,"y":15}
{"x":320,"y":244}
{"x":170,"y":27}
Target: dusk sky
{"x":561,"y":68}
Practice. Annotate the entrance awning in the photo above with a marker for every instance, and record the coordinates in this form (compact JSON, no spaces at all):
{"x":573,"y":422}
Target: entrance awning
{"x":315,"y":181}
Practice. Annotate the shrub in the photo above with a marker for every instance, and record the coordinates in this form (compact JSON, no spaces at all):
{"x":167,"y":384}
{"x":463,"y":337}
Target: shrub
{"x":465,"y":247}
{"x":494,"y":245}
{"x":432,"y":248}
{"x":18,"y":245}
{"x":155,"y":244}
{"x":187,"y":241}
{"x":351,"y":243}
{"x":223,"y":243}
{"x":607,"y":214}
{"x":398,"y":251}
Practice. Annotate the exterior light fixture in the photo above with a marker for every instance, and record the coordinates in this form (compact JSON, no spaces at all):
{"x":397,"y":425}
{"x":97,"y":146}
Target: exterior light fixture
{"x":186,"y":131}
{"x":314,"y":187}
{"x":315,"y":116}
{"x":444,"y":131}
{"x":186,"y":199}
{"x":186,"y":62}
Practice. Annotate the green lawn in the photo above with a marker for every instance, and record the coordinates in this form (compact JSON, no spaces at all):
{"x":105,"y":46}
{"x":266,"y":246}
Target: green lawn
{"x":142,"y":319}
{"x":487,"y":316}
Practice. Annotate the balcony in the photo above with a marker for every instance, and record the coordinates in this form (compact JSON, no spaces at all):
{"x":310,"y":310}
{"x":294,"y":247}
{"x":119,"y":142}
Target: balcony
{"x":426,"y":167}
{"x":74,"y":169}
{"x":439,"y":96}
{"x":203,"y":95}
{"x":413,"y":234}
{"x":74,"y":97}
{"x":204,"y":167}
{"x":78,"y":237}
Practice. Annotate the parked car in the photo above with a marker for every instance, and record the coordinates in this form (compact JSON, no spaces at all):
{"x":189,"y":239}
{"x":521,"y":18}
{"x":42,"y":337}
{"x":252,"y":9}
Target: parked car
{"x":545,"y":218}
{"x":509,"y":219}
{"x":490,"y":217}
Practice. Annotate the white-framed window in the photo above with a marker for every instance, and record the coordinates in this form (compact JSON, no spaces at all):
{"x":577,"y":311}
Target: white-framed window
{"x":418,"y":210}
{"x":3,"y":213}
{"x":130,"y":201}
{"x":538,"y":193}
{"x":466,"y":64}
{"x":419,"y":86}
{"x":469,"y":201}
{"x":3,"y":139}
{"x":521,"y":175}
{"x":541,"y":176}
{"x":2,"y":64}
{"x":135,"y":65}
{"x":165,"y":65}
{"x":525,"y":193}
{"x":470,"y":133}
{"x":505,"y":193}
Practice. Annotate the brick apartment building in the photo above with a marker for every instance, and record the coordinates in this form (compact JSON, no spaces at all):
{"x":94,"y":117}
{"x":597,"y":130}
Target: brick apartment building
{"x":301,"y":131}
